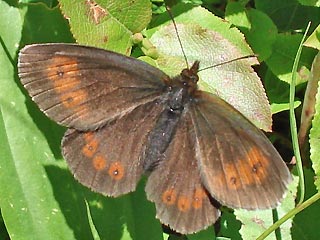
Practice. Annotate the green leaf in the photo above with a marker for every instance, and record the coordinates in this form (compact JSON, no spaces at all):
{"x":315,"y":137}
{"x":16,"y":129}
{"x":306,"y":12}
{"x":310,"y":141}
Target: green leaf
{"x":258,"y":28}
{"x":289,"y":15}
{"x":42,"y":25}
{"x":284,"y":52}
{"x":186,"y":13}
{"x":278,"y":93}
{"x":107,"y":24}
{"x":236,"y":13}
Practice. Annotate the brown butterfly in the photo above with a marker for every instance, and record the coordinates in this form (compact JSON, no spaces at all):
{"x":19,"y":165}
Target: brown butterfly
{"x":127,"y":118}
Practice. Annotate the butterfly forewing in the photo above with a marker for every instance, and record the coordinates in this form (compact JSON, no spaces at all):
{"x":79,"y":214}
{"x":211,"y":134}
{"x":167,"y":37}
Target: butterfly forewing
{"x":238,"y":165}
{"x":84,"y":87}
{"x":108,"y":160}
{"x":175,"y":185}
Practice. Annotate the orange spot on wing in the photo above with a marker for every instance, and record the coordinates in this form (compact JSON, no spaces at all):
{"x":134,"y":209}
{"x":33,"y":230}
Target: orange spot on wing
{"x":231,"y":176}
{"x":254,"y":167}
{"x":198,"y":196}
{"x":169,"y":197}
{"x":99,"y":162}
{"x":116,"y":171}
{"x":245,"y":172}
{"x":63,"y":73}
{"x":259,"y":164}
{"x":90,"y":148}
{"x":66,"y":80}
{"x":184,"y":204}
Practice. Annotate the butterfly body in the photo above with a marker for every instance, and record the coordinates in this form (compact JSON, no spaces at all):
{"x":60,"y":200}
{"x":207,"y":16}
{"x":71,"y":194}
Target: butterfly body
{"x":126,"y":118}
{"x":176,"y":102}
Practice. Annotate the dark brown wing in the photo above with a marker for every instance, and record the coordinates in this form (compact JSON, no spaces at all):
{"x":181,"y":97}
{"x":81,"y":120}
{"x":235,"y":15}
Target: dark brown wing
{"x":84,"y":87}
{"x":175,"y":185}
{"x":238,"y":164}
{"x":108,"y":160}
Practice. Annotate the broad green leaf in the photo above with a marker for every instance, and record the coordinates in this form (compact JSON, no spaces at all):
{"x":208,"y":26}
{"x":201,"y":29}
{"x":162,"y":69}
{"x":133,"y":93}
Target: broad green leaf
{"x":258,"y":28}
{"x":255,"y":223}
{"x":42,"y":25}
{"x":236,"y":14}
{"x":186,"y":13}
{"x":107,"y":24}
{"x":289,"y":15}
{"x":281,"y":60}
{"x":278,"y":93}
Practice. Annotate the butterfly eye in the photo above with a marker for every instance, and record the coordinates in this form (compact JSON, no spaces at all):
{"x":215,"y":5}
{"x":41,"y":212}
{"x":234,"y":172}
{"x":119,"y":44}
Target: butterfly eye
{"x":194,"y":78}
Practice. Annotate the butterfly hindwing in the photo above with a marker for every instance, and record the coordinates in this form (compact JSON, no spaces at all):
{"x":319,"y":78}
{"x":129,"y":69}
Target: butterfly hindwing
{"x":84,"y":87}
{"x":108,"y":160}
{"x":175,"y":185}
{"x":238,"y":165}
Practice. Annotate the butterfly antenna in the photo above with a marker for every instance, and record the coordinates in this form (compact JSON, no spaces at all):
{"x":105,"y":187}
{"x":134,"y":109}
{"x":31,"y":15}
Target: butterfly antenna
{"x":176,"y":29}
{"x":230,"y":61}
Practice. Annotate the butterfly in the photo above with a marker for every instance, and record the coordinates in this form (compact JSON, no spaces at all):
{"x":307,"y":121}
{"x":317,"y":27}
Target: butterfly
{"x":127,"y":118}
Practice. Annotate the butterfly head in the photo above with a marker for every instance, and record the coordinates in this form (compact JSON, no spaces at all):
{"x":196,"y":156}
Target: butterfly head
{"x":188,"y":78}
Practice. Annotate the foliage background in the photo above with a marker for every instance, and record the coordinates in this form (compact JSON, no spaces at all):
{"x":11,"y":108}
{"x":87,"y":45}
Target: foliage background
{"x":39,"y":198}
